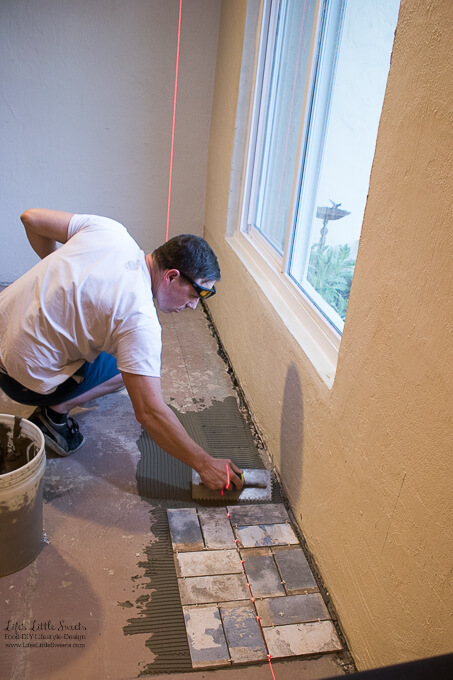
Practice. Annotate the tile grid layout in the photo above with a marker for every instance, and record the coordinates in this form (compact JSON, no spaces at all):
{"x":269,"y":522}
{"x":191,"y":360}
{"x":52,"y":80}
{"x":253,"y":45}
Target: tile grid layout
{"x":246,"y":588}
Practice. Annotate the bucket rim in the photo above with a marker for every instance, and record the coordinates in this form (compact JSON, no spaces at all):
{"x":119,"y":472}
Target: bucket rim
{"x":39,"y":443}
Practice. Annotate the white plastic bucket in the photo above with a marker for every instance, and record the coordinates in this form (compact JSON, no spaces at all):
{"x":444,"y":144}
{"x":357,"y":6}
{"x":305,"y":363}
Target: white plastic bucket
{"x":22,"y":465}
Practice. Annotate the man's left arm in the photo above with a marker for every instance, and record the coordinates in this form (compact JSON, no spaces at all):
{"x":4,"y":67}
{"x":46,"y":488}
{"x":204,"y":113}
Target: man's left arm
{"x":45,"y":229}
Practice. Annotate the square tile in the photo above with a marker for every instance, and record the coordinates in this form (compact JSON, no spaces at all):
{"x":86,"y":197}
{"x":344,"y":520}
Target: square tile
{"x":208,"y":563}
{"x":263,"y":576}
{"x":185,"y":529}
{"x":243,"y":634}
{"x":291,"y":609}
{"x":216,"y":528}
{"x":209,"y":589}
{"x":265,"y":535}
{"x":264,"y":513}
{"x":206,"y":637}
{"x":302,"y":638}
{"x":295,"y":571}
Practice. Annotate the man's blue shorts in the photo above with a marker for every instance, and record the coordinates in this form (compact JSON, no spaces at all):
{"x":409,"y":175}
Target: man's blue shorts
{"x":88,"y":376}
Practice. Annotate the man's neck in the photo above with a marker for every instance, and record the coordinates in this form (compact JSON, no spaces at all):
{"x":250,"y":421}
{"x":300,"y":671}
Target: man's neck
{"x":154,"y":272}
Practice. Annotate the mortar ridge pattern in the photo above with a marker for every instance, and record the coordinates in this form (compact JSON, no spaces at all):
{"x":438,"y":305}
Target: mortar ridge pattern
{"x":165,"y":482}
{"x":220,"y":429}
{"x":162,"y":615}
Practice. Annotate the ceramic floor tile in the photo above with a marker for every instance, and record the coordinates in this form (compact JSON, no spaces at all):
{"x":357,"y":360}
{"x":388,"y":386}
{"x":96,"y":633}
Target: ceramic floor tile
{"x":300,"y":639}
{"x":291,"y":609}
{"x":264,"y":513}
{"x":206,"y":637}
{"x":243,"y":634}
{"x":185,"y":529}
{"x":216,"y":528}
{"x":263,"y":576}
{"x":208,"y":563}
{"x":295,"y":571}
{"x":265,"y":535}
{"x":208,"y":589}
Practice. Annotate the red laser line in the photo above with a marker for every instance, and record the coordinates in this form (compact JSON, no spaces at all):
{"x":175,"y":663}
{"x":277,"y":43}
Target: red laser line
{"x":270,"y":666}
{"x":228,"y":477}
{"x":252,"y":599}
{"x":174,"y":119}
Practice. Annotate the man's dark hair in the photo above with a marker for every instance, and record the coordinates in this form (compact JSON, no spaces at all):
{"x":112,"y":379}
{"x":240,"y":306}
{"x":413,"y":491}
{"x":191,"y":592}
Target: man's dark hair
{"x":191,"y":255}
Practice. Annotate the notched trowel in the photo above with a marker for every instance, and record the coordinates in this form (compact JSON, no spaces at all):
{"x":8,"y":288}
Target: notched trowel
{"x":257,"y":487}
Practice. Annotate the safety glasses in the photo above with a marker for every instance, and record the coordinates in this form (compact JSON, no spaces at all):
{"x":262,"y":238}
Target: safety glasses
{"x":203,"y":292}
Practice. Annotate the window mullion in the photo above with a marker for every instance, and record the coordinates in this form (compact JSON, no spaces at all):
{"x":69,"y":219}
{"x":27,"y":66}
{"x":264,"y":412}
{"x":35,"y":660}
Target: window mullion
{"x":315,"y":124}
{"x":270,"y":13}
{"x":313,"y":63}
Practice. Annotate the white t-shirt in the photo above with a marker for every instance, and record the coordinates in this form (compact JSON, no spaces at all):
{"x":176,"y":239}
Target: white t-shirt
{"x":93,"y":294}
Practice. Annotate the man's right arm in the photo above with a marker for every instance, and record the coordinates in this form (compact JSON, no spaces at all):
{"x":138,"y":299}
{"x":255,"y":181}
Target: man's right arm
{"x":165,"y":429}
{"x":45,"y":228}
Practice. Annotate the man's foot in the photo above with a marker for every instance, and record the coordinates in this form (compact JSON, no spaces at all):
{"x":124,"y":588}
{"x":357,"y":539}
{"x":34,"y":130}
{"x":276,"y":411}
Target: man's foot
{"x":61,"y":438}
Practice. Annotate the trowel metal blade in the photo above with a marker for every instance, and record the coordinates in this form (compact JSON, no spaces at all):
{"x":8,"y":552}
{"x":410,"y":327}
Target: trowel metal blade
{"x":257,"y":488}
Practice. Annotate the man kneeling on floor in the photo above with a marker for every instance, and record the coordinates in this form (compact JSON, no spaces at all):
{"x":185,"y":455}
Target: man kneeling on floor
{"x":82,"y":323}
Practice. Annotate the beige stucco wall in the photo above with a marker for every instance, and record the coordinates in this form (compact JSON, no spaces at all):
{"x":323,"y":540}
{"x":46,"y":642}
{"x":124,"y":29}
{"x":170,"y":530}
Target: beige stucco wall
{"x":367,"y":463}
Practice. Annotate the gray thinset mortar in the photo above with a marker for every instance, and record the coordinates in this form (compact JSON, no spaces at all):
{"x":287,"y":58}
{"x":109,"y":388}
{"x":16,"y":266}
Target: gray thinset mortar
{"x":162,"y":617}
{"x":15,"y":456}
{"x":220,"y":430}
{"x":165,"y":482}
{"x":21,"y":528}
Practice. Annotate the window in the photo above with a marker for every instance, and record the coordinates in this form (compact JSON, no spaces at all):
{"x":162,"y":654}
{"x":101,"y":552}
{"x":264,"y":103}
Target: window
{"x":321,"y":75}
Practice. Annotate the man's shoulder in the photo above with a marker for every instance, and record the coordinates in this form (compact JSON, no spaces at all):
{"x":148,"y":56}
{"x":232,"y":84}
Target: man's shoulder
{"x":92,"y":223}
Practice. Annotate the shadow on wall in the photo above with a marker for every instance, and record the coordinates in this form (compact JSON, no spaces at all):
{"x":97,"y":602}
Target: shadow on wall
{"x":292,"y":434}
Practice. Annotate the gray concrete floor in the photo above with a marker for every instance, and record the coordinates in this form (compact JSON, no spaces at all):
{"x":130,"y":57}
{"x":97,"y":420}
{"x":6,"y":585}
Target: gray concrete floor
{"x":98,"y":528}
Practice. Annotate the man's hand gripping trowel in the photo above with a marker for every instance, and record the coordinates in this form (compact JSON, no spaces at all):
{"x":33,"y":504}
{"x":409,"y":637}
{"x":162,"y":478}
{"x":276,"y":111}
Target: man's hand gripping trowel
{"x":256,"y":487}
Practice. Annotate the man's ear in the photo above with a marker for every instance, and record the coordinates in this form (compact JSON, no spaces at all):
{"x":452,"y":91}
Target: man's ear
{"x":171,"y":275}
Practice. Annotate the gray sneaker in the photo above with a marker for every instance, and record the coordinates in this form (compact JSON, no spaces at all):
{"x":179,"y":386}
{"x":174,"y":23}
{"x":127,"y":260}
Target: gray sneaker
{"x":63,"y":438}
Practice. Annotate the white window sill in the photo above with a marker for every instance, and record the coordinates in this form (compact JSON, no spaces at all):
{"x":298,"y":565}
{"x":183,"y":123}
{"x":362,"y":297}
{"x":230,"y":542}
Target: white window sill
{"x":316,"y":337}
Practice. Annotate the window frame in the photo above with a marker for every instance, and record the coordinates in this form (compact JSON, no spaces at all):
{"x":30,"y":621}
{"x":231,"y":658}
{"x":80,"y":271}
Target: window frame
{"x":326,"y":35}
{"x":319,"y":340}
{"x":316,"y":335}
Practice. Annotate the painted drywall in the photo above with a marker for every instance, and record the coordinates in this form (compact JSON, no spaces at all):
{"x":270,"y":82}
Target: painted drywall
{"x":86,"y":114}
{"x":366,"y":464}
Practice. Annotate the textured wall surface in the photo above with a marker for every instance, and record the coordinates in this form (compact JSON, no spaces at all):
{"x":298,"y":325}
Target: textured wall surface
{"x":86,"y":114}
{"x":367,"y":463}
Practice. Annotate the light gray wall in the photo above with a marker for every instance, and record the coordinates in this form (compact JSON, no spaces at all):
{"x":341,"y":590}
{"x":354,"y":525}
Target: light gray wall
{"x":86,"y":112}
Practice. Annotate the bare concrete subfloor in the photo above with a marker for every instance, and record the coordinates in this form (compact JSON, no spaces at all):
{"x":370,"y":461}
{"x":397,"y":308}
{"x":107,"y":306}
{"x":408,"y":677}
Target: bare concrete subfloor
{"x":98,"y":529}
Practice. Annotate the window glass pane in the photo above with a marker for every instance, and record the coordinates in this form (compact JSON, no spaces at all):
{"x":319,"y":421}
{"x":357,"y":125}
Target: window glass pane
{"x":280,"y":118}
{"x":343,"y":146}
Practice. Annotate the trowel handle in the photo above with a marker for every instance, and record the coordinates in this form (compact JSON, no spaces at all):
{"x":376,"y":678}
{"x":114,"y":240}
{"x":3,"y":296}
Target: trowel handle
{"x":250,"y":483}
